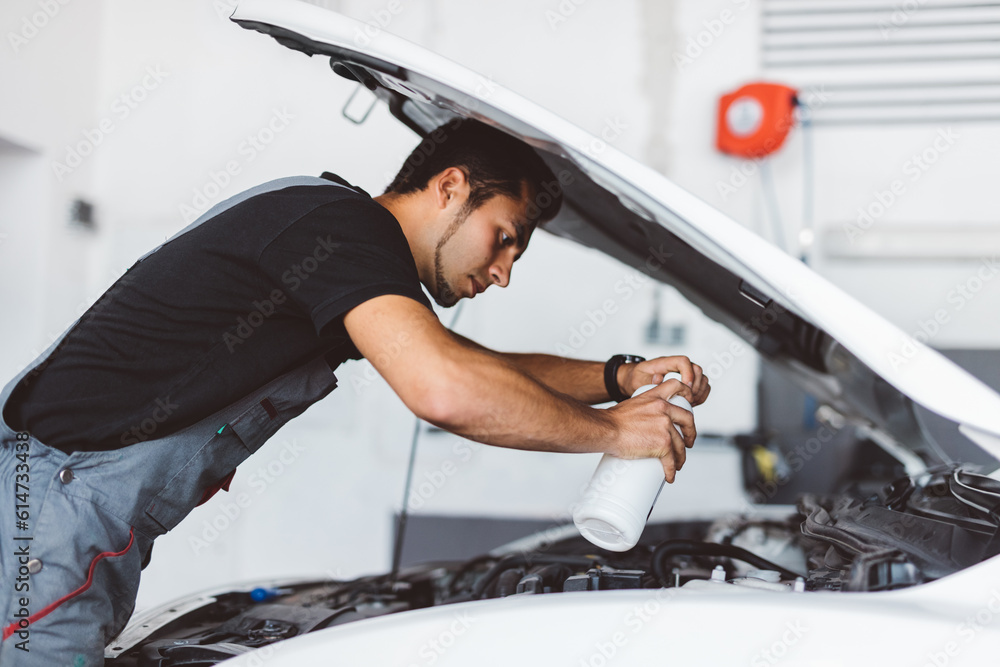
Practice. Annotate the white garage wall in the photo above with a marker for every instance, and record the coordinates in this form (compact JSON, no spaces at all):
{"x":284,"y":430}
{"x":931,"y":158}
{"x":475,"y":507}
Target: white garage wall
{"x":23,"y":239}
{"x":49,"y":70}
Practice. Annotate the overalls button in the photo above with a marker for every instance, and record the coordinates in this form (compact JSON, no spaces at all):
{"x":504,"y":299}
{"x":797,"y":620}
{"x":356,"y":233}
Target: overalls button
{"x":34,"y":566}
{"x":65,"y":475}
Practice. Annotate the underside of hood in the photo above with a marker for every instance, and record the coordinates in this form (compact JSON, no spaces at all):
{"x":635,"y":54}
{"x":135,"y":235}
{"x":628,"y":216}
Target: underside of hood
{"x":864,"y":369}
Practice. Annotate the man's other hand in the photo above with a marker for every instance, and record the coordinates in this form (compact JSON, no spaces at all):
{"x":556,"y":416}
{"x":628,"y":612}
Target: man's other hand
{"x":652,"y":371}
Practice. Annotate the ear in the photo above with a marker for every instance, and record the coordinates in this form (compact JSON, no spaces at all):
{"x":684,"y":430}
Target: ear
{"x":449,"y":187}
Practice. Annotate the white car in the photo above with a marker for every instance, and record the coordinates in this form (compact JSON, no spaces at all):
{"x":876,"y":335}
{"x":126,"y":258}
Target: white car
{"x":885,"y":571}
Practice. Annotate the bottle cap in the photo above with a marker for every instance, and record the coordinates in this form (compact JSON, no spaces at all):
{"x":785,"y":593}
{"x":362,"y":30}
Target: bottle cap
{"x":610,"y":524}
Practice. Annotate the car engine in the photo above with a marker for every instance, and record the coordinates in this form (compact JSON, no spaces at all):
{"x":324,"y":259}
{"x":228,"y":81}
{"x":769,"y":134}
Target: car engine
{"x":911,"y":531}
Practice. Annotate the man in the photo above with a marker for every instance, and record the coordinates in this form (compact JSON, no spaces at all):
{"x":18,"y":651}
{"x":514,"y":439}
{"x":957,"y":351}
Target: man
{"x":205,"y":347}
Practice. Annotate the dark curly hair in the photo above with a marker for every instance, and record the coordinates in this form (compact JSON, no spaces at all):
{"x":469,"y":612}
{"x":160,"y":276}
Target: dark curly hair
{"x":494,"y":162}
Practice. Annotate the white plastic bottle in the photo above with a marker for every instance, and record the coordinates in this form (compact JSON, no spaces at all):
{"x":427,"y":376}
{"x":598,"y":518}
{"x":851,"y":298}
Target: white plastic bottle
{"x":621,"y":494}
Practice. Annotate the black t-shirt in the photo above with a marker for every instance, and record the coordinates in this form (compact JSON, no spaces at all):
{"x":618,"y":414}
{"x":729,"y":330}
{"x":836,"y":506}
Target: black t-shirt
{"x":215,"y":314}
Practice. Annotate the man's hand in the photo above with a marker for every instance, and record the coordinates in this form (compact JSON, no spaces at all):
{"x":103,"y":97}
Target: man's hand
{"x":646,"y":426}
{"x":652,"y":371}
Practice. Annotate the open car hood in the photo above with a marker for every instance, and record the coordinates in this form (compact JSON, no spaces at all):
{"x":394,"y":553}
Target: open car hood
{"x":850,"y":358}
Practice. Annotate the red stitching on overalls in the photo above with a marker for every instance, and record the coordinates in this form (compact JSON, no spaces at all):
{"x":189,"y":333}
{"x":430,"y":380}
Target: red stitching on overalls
{"x":45,"y":611}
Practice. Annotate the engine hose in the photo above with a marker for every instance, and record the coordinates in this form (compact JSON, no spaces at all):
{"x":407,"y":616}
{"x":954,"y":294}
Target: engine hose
{"x":669,"y":548}
{"x":516,"y":560}
{"x":466,"y":567}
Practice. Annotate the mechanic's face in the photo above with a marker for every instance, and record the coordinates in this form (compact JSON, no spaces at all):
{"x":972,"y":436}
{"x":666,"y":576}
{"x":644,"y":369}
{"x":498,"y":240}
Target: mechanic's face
{"x":478,"y":248}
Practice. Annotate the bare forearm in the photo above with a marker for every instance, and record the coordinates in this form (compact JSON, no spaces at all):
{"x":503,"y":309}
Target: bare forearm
{"x":583,"y":380}
{"x":494,"y":401}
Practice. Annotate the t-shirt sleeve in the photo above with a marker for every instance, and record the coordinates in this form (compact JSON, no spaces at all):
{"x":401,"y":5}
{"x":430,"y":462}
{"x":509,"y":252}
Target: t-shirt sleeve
{"x":338,"y":256}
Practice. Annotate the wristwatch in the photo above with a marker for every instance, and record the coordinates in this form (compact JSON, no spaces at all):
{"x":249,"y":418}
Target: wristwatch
{"x":611,"y":374}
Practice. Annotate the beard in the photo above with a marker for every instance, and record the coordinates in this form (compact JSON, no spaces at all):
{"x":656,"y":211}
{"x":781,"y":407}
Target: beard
{"x":444,"y":292}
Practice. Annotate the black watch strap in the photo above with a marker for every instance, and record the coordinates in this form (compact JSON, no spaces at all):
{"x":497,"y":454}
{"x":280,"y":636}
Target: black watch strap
{"x":611,"y":374}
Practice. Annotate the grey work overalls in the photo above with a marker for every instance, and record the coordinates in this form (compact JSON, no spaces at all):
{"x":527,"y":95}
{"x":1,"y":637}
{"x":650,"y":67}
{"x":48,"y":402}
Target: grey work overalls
{"x":71,"y":569}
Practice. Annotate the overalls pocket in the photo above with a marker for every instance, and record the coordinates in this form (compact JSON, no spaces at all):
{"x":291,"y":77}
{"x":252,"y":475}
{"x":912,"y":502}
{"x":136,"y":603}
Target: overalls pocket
{"x":255,"y":426}
{"x":269,"y":409}
{"x":214,"y":460}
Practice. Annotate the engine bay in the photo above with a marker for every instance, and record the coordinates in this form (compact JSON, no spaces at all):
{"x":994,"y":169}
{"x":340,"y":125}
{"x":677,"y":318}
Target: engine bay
{"x":913,"y":530}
